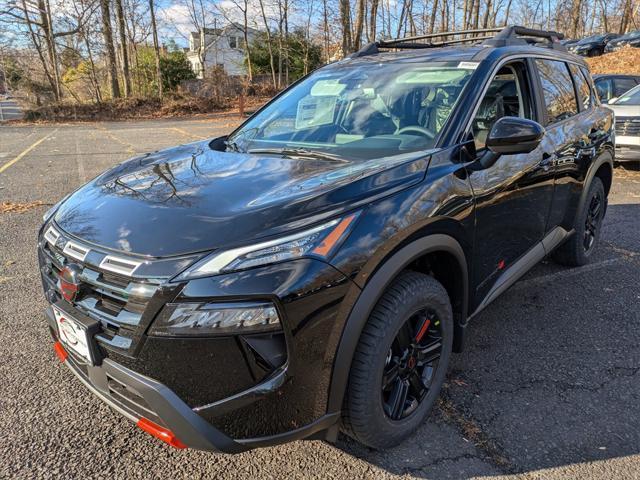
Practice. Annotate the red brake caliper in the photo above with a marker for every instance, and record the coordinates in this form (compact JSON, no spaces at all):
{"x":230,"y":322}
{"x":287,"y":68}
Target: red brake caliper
{"x":423,"y":330}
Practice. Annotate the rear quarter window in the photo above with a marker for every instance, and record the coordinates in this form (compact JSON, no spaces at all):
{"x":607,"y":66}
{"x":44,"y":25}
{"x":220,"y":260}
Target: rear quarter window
{"x":582,"y":87}
{"x":557,"y":89}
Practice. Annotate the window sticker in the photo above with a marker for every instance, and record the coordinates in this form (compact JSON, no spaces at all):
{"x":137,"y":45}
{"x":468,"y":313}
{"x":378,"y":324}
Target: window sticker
{"x":468,"y":65}
{"x":314,"y":111}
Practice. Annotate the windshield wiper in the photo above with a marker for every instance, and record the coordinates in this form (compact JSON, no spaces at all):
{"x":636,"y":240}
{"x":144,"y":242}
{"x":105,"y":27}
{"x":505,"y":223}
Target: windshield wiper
{"x":299,"y":152}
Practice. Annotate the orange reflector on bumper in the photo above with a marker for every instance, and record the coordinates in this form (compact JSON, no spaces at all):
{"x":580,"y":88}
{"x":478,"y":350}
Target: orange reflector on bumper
{"x":162,"y":433}
{"x":60,"y":351}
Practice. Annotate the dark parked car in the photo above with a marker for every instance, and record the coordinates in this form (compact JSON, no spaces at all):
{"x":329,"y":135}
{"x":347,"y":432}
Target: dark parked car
{"x":592,"y":46}
{"x":614,"y":85}
{"x":315,"y":269}
{"x":567,"y":42}
{"x":632,"y":39}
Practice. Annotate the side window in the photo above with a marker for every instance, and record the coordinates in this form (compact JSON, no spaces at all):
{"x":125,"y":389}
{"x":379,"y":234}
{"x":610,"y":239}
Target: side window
{"x":508,"y":95}
{"x":557,"y":88}
{"x":622,"y":85}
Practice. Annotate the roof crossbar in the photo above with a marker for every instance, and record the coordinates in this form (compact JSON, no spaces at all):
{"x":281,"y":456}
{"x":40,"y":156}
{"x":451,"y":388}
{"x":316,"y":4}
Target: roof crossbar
{"x":391,"y":43}
{"x":495,"y":37}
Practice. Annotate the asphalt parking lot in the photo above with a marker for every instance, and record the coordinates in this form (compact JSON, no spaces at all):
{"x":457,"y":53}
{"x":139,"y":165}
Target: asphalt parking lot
{"x":547,"y":387}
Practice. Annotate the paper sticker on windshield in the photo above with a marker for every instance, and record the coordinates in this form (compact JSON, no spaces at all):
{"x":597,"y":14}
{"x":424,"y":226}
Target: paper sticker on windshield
{"x":314,"y":111}
{"x":468,"y":65}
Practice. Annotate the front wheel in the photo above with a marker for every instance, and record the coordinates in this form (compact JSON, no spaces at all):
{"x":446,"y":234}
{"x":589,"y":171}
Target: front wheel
{"x":587,"y":228}
{"x":400,"y":362}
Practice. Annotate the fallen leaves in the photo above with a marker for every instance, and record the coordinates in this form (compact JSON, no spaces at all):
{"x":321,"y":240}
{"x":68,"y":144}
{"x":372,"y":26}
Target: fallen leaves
{"x":17,"y":207}
{"x":623,"y":61}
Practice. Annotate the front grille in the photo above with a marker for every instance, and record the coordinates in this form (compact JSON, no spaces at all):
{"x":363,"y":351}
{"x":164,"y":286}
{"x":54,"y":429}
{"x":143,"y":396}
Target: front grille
{"x":116,"y":300}
{"x":628,"y":126}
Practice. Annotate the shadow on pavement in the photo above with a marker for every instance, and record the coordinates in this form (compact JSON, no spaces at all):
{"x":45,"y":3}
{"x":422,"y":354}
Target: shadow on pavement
{"x":549,"y":377}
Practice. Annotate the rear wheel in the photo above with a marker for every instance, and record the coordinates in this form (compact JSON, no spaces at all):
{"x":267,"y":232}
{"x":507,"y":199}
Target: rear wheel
{"x":588,"y":225}
{"x":400,"y":362}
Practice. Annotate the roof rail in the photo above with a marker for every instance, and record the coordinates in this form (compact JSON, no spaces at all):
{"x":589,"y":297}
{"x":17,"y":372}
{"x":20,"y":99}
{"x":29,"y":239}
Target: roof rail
{"x":495,"y":37}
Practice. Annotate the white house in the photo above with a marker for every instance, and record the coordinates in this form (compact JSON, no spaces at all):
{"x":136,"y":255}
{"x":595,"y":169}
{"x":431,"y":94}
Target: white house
{"x":221,"y":47}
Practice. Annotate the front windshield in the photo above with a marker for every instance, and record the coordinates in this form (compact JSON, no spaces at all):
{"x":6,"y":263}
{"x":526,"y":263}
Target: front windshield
{"x":632,"y":97}
{"x":358,"y":112}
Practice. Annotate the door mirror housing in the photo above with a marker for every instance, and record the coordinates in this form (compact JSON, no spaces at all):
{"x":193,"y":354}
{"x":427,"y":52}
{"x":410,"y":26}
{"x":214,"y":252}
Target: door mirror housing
{"x":513,"y":135}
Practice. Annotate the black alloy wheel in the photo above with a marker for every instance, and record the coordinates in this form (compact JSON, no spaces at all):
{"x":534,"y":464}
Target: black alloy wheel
{"x":593,"y":220}
{"x":411,"y":364}
{"x":400,"y":362}
{"x":587,"y":227}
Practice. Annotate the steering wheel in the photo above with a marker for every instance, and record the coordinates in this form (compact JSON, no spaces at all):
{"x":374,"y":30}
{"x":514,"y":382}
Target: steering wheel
{"x":418,"y":129}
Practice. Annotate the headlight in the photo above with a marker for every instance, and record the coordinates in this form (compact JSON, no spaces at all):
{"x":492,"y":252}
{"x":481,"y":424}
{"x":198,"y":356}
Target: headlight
{"x":319,"y":242}
{"x":201,"y":319}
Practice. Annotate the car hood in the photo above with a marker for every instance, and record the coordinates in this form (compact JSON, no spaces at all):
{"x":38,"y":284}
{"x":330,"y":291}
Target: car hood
{"x":625,"y":110}
{"x":191,"y":198}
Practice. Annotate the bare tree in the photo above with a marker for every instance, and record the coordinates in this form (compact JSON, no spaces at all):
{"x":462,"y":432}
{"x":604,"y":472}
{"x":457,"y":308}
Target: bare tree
{"x":345,"y":23}
{"x":123,"y":47}
{"x":156,"y":47}
{"x":269,"y":44}
{"x":107,"y":32}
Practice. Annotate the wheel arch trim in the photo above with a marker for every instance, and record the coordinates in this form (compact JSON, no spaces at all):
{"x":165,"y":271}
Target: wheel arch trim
{"x":373,"y":290}
{"x":604,"y":158}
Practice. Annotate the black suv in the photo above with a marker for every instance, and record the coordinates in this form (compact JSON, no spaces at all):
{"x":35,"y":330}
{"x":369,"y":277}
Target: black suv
{"x":314,"y":270}
{"x":594,"y":45}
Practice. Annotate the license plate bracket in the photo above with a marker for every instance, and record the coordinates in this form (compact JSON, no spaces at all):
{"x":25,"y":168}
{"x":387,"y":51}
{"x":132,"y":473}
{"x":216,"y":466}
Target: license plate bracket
{"x":77,"y":335}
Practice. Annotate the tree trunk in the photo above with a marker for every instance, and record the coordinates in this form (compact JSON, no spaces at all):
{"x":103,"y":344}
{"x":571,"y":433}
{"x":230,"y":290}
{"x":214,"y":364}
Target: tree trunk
{"x":465,"y":10}
{"x":476,"y":15}
{"x":123,"y":48}
{"x":269,"y":46}
{"x":345,"y":23}
{"x":36,"y":44}
{"x":47,"y":27}
{"x":373,"y":17}
{"x":247,"y":47}
{"x":357,"y":37}
{"x":432,"y":20}
{"x":156,"y":48}
{"x":325,"y":28}
{"x":576,"y":8}
{"x":487,"y":13}
{"x":506,"y":14}
{"x":107,"y":32}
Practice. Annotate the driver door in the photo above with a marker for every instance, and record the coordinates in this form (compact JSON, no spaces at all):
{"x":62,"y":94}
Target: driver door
{"x":514,"y":195}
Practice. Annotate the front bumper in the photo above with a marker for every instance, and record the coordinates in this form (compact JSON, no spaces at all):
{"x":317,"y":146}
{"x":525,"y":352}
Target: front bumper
{"x":139,"y":397}
{"x":627,"y":148}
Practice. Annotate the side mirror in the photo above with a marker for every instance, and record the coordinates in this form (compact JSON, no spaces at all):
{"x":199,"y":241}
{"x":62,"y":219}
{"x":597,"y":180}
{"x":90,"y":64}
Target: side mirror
{"x":612,"y":100}
{"x":513,"y":135}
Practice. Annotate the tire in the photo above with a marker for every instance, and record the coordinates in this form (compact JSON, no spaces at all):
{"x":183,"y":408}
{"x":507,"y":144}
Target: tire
{"x":369,"y":409}
{"x":575,"y":252}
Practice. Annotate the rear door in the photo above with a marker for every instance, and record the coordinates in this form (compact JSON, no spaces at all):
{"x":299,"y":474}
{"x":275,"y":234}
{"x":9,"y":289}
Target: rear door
{"x":575,"y":128}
